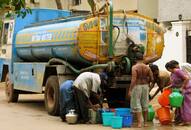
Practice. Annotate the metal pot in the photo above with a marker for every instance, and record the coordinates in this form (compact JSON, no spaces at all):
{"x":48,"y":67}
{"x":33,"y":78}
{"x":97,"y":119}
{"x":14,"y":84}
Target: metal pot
{"x":71,"y":117}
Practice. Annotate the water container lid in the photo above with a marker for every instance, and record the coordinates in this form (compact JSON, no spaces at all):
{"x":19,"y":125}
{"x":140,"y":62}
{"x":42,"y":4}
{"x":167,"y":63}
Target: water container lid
{"x":150,"y":105}
{"x":71,"y":111}
{"x":176,"y":90}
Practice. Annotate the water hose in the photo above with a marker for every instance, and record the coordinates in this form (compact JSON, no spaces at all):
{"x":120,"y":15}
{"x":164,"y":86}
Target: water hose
{"x":110,"y":65}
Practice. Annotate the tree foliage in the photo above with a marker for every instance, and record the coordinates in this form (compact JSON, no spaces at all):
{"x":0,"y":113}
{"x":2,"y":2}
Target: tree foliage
{"x":4,"y":3}
{"x":16,"y":6}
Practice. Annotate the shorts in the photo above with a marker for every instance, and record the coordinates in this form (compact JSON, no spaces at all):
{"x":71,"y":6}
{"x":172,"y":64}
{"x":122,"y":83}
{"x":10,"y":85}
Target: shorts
{"x":140,"y":98}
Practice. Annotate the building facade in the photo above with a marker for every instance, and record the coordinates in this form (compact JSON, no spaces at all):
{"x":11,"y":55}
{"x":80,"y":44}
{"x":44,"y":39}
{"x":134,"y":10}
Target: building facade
{"x":173,"y":10}
{"x":176,"y":16}
{"x":83,"y":5}
{"x":47,"y":3}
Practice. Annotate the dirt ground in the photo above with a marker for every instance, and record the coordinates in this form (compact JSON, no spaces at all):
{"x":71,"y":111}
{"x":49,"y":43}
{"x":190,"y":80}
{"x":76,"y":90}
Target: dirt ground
{"x":29,"y":114}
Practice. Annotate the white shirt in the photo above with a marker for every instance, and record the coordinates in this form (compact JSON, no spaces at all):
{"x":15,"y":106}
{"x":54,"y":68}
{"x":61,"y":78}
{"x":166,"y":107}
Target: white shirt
{"x":87,"y":82}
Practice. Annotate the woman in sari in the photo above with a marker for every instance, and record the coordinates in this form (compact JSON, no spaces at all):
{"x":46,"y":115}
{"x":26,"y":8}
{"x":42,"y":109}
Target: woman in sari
{"x":180,"y":79}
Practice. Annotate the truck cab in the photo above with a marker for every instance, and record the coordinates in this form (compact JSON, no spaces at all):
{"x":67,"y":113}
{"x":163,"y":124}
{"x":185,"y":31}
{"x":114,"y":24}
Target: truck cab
{"x":6,"y":43}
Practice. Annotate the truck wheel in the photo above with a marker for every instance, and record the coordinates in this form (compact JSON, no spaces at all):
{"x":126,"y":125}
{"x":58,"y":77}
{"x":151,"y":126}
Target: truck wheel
{"x":52,"y":96}
{"x":11,"y":94}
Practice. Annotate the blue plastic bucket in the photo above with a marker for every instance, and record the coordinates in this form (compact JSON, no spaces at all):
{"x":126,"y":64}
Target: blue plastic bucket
{"x":122,"y":111}
{"x":99,"y":114}
{"x":128,"y":120}
{"x":117,"y":122}
{"x":107,"y":117}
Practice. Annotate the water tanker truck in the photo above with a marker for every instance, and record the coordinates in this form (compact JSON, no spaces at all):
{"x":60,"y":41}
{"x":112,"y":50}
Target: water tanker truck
{"x":48,"y":47}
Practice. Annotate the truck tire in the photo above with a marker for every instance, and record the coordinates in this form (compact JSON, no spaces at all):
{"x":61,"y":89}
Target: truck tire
{"x":52,"y":96}
{"x":11,"y":94}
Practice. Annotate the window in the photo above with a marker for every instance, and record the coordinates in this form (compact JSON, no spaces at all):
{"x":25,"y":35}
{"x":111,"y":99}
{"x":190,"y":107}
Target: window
{"x":77,"y":2}
{"x":5,"y":33}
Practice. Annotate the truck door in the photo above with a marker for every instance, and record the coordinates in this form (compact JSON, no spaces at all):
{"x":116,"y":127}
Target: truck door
{"x":6,"y":39}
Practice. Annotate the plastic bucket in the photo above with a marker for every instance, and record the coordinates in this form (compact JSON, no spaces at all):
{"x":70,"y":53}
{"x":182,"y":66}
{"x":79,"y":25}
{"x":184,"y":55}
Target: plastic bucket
{"x":164,"y":115}
{"x":93,"y":116}
{"x":107,"y":117}
{"x":151,"y":113}
{"x":176,"y":98}
{"x":127,"y":120}
{"x":122,"y":111}
{"x":99,"y":114}
{"x":117,"y":122}
{"x":163,"y":99}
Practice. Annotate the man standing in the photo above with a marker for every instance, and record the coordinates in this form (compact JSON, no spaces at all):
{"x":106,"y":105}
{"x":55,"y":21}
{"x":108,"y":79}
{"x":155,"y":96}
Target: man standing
{"x":139,"y":89}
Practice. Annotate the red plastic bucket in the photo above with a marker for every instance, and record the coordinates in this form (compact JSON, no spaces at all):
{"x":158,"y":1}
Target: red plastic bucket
{"x":164,"y":115}
{"x":163,"y":99}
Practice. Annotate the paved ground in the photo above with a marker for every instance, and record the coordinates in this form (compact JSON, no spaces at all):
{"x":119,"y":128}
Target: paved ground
{"x":29,"y":114}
